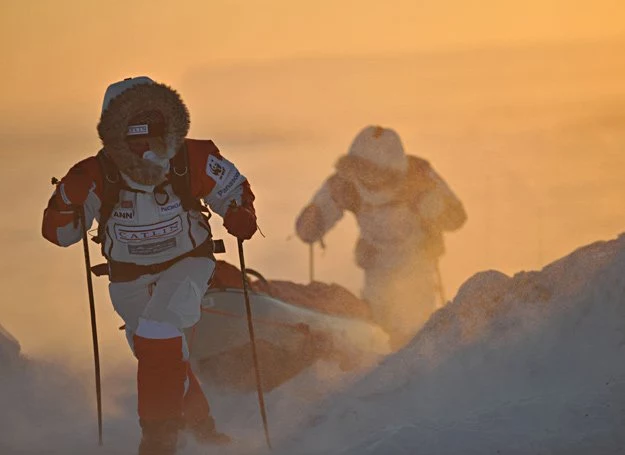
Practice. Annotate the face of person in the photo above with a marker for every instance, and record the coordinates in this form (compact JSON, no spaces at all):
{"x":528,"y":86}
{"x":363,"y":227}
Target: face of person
{"x":140,"y":145}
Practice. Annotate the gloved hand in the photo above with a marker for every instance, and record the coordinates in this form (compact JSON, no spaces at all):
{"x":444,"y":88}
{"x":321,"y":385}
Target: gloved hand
{"x":74,"y":188}
{"x":344,"y":193}
{"x":240,"y":221}
{"x":309,"y":224}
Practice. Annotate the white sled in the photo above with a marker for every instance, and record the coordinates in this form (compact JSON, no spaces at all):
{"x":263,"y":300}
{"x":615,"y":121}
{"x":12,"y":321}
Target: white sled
{"x":289,"y":337}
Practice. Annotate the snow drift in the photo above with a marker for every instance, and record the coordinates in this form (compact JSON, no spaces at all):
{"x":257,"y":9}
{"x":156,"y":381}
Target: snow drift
{"x":529,"y":364}
{"x":533,"y":363}
{"x":9,"y":351}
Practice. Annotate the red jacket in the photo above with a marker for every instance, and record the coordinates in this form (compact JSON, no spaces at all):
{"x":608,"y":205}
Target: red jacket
{"x":147,"y":228}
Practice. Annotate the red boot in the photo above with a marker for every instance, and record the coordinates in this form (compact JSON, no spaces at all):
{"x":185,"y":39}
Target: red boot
{"x":161,"y":377}
{"x":159,"y":437}
{"x":205,"y":432}
{"x":197,"y":415}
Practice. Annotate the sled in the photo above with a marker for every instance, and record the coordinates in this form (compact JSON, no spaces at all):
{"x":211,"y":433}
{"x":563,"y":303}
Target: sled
{"x":294,"y":326}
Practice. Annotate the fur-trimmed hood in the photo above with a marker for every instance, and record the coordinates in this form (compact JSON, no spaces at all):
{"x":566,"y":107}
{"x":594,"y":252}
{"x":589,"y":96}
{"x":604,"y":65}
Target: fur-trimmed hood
{"x":113,"y":127}
{"x":355,"y":168}
{"x":379,"y":183}
{"x":379,"y":146}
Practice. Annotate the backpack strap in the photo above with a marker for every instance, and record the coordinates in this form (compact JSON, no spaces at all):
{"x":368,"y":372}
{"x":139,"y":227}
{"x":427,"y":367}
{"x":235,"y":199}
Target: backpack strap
{"x":112,"y":185}
{"x":180,"y":180}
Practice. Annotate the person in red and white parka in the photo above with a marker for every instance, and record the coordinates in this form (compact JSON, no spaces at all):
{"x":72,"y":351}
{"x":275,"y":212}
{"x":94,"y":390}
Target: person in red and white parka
{"x":159,"y":252}
{"x":402,"y":207}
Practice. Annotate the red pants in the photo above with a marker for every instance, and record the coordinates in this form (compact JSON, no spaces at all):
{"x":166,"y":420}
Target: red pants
{"x":163,"y":390}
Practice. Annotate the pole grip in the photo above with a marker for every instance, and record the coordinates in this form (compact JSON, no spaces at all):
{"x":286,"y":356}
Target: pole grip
{"x":311,"y":262}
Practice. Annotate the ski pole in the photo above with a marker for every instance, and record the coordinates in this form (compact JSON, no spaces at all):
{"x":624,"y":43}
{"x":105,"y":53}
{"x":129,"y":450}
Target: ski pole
{"x":94,"y":327}
{"x":250,"y":326}
{"x":441,"y":289}
{"x":311,"y":261}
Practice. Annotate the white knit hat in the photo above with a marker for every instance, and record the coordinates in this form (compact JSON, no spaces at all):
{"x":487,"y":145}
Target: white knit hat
{"x":117,"y":88}
{"x":380,"y":146}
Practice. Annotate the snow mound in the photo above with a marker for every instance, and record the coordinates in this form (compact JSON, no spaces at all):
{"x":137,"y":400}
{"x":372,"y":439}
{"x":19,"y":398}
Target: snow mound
{"x":533,"y":363}
{"x":9,"y":351}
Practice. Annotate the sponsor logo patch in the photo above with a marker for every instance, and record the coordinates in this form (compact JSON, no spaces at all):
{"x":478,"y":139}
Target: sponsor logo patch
{"x":123,"y":214}
{"x":218,"y":169}
{"x":137,"y":130}
{"x":228,"y":186}
{"x":126,"y":204}
{"x":170,"y":207}
{"x":138,"y":234}
{"x":224,"y":173}
{"x":152,"y":248}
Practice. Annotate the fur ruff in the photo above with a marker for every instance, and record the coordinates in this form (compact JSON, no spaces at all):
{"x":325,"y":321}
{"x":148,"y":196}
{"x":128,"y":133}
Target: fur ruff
{"x":114,"y":121}
{"x":358,"y":169}
{"x":378,"y":185}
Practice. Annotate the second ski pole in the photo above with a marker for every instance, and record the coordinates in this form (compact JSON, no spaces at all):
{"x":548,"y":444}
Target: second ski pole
{"x":250,"y":326}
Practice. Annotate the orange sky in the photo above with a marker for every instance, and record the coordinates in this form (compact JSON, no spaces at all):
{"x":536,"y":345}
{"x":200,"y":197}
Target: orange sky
{"x":74,"y":45}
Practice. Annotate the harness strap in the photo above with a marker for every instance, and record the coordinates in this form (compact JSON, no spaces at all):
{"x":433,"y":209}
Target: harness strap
{"x":180,"y":180}
{"x":128,"y":271}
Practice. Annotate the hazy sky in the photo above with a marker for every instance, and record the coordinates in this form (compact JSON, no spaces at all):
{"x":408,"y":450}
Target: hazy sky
{"x":70,"y":45}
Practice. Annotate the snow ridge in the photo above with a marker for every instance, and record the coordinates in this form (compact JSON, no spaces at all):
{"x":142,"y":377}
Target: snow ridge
{"x":526,"y":364}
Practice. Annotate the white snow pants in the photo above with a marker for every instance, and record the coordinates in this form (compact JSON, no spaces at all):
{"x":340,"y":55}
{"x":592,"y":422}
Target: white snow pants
{"x":159,"y":306}
{"x":402,"y":299}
